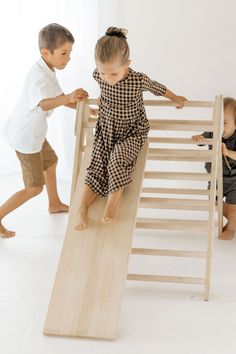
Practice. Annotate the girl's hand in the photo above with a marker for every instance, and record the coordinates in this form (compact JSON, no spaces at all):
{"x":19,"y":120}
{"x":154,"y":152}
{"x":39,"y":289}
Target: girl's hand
{"x":197,"y":138}
{"x":179,"y":100}
{"x":225,"y":151}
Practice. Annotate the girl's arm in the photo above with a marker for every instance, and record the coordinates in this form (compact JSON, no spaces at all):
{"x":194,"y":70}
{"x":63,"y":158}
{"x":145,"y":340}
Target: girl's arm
{"x":160,"y":90}
{"x":179,"y":100}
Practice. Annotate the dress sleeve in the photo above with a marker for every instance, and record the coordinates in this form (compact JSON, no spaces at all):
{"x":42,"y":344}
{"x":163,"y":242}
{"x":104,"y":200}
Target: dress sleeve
{"x":96,"y":75}
{"x":152,"y":86}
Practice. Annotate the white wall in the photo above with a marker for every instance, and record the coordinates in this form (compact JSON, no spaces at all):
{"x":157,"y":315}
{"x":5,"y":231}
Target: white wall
{"x":20,"y":22}
{"x":186,"y":44}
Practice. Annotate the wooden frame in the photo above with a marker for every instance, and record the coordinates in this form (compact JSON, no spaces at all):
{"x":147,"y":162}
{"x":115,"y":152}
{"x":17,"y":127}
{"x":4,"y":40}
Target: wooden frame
{"x":88,"y":288}
{"x":214,"y":124}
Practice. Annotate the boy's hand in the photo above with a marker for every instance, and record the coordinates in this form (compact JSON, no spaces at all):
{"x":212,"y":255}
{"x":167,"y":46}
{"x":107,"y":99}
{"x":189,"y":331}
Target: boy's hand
{"x":197,"y":138}
{"x":77,"y":95}
{"x":179,"y":100}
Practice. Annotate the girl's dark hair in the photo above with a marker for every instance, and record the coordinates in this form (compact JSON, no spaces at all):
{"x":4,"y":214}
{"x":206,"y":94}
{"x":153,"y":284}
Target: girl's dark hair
{"x":230,"y":102}
{"x":113,"y":46}
{"x":54,"y":36}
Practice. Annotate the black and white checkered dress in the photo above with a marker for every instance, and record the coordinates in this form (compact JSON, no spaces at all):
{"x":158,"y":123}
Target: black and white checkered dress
{"x":121,"y":130}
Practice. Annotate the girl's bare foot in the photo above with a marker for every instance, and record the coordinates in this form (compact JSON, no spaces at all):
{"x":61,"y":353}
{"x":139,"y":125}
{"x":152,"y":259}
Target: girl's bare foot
{"x":108,"y":215}
{"x":4,"y":233}
{"x":111,"y":206}
{"x":58,"y":208}
{"x":227,"y":234}
{"x":82,"y":220}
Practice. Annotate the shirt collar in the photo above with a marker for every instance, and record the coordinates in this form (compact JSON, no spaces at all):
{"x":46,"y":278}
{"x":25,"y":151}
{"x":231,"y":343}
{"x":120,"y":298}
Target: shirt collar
{"x":233,"y":136}
{"x":46,"y":68}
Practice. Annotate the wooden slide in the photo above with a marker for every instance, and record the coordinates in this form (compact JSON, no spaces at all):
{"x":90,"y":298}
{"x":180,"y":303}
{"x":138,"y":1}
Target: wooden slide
{"x":92,"y":271}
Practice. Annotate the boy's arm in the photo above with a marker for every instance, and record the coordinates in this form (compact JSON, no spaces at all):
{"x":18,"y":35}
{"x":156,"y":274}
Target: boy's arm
{"x":198,"y":138}
{"x":179,"y":100}
{"x":230,"y":153}
{"x":71,"y":105}
{"x":63,"y":100}
{"x":201,"y":137}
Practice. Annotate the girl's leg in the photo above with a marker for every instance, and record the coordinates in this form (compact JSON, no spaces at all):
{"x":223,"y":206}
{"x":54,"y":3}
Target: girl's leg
{"x":88,"y":197}
{"x":13,"y":203}
{"x":55,"y":204}
{"x":111,"y":206}
{"x":230,"y":228}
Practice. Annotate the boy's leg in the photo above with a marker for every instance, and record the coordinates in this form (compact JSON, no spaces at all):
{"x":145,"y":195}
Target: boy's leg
{"x":55,"y":204}
{"x":111,"y":206}
{"x":49,"y":161}
{"x":230,"y":228}
{"x":87,"y":199}
{"x":13,"y":203}
{"x":32,"y":172}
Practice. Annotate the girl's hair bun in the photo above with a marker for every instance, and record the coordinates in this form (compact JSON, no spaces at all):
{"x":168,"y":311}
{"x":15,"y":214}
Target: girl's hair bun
{"x":117,"y":32}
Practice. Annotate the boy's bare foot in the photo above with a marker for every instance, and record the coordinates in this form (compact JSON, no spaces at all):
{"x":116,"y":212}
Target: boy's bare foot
{"x":83,"y":219}
{"x":227,"y":234}
{"x":59,"y":208}
{"x":4,"y":233}
{"x":109,"y":215}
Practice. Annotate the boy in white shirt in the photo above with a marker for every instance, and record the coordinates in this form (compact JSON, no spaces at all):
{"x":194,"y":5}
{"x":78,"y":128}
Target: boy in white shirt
{"x":27,"y":126}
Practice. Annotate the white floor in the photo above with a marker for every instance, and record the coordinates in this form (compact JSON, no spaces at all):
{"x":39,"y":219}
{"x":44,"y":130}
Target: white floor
{"x":155,"y":318}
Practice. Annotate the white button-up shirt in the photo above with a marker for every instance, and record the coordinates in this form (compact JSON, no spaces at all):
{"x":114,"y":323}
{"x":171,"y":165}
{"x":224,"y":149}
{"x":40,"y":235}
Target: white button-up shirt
{"x":27,"y":127}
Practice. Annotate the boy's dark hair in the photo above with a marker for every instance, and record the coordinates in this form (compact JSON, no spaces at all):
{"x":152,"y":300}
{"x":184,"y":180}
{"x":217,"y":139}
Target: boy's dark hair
{"x":230,"y":102}
{"x":54,"y":36}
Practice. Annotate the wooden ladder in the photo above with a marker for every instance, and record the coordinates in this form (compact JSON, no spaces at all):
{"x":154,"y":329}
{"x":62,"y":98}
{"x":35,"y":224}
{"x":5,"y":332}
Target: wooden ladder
{"x":181,"y":149}
{"x":176,"y":148}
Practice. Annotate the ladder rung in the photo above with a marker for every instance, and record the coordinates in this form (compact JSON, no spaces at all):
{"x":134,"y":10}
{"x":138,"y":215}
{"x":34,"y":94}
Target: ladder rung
{"x":172,"y":224}
{"x":179,"y":154}
{"x":174,"y":203}
{"x":168,"y":253}
{"x":169,"y":140}
{"x":165,"y":278}
{"x":177,"y":158}
{"x":181,"y":125}
{"x":177,"y":175}
{"x":184,"y":191}
{"x":167,"y":124}
{"x":168,"y":103}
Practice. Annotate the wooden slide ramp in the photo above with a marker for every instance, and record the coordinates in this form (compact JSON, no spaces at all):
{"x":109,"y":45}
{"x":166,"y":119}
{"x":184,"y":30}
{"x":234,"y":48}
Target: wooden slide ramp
{"x":92,"y":271}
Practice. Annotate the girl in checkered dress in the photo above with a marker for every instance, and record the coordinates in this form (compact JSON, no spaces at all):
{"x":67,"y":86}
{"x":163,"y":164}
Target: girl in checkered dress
{"x":122,"y":125}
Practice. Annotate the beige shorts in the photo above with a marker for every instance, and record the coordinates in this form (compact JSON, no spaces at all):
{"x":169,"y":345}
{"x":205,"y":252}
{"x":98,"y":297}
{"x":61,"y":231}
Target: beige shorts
{"x":34,"y":165}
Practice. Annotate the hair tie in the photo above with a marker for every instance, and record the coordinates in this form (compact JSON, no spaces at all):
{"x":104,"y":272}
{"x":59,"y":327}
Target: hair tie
{"x":116,"y":34}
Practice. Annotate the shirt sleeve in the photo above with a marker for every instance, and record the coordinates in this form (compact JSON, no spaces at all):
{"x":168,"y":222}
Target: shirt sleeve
{"x":38,"y":90}
{"x":152,"y":86}
{"x":207,"y":135}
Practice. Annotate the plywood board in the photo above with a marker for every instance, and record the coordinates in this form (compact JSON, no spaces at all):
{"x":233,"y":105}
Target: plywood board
{"x":92,"y":271}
